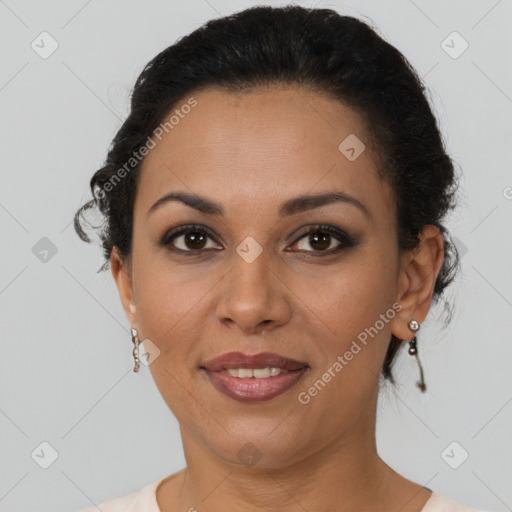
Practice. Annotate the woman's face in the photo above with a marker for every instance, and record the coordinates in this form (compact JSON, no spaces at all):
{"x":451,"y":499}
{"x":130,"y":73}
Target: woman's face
{"x":308,"y":297}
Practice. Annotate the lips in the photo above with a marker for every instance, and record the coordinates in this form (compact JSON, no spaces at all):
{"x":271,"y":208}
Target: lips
{"x":252,"y":389}
{"x":261,"y":360}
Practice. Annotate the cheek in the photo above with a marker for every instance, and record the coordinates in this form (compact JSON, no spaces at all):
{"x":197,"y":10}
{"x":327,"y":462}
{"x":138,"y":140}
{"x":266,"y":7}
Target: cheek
{"x":352,"y":314}
{"x":170,"y":302}
{"x":348,"y":297}
{"x":356,"y":313}
{"x":171,"y":315}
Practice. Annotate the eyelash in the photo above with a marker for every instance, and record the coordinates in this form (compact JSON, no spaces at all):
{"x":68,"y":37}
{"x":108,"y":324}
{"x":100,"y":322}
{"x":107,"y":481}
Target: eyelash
{"x":345,"y":240}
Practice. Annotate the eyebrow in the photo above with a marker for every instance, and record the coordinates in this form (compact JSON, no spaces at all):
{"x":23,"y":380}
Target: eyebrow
{"x":290,"y":207}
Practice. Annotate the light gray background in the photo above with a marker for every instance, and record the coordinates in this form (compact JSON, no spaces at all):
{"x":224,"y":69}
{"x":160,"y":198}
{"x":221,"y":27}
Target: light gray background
{"x":66,"y":368}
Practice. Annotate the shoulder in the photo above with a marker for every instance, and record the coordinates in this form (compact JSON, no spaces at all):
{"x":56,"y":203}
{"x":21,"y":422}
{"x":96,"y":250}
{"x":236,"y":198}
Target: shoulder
{"x":143,"y":500}
{"x":441,"y":503}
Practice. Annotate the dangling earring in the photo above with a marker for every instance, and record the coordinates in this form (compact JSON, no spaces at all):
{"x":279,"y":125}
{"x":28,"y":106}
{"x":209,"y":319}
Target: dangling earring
{"x":413,"y":350}
{"x":135,"y":340}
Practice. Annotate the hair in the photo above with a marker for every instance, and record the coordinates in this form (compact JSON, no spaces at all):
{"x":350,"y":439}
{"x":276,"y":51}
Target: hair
{"x":319,"y":49}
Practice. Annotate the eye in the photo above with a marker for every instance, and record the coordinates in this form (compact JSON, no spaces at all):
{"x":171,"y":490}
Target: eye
{"x":194,"y":239}
{"x":322,"y":237}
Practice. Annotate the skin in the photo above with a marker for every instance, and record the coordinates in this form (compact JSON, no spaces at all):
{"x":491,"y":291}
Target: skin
{"x":251,"y":152}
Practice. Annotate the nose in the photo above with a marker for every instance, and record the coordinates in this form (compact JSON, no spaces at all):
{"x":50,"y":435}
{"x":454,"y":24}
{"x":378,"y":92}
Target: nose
{"x":253,"y":296}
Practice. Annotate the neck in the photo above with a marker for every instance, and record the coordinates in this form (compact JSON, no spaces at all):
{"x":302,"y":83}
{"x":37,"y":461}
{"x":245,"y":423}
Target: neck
{"x":345,"y":474}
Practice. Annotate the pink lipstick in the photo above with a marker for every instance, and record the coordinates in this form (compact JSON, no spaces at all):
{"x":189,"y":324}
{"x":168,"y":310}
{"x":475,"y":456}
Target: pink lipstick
{"x":257,"y":377}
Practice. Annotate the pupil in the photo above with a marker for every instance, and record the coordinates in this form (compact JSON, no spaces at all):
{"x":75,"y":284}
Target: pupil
{"x":194,"y":238}
{"x":323,"y":245}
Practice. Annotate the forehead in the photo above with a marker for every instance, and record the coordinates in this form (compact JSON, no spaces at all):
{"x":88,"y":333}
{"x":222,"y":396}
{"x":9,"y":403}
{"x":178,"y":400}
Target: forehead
{"x":268,"y":143}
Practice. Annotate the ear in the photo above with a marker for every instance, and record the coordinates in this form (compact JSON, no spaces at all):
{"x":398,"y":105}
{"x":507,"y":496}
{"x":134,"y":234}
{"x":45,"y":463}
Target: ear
{"x":122,"y":277}
{"x":418,"y":273}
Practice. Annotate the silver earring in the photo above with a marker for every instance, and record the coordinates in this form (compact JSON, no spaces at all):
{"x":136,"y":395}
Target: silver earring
{"x":414,"y":326}
{"x":135,"y":340}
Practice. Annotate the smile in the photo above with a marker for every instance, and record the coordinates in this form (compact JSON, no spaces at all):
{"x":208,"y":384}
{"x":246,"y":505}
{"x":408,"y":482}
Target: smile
{"x":253,"y":377}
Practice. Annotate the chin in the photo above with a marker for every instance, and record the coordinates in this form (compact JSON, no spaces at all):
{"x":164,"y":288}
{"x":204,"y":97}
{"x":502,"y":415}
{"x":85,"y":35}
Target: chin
{"x":253,"y":451}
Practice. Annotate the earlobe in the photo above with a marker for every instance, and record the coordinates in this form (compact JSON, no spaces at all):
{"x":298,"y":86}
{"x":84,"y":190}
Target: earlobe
{"x":417,"y":280}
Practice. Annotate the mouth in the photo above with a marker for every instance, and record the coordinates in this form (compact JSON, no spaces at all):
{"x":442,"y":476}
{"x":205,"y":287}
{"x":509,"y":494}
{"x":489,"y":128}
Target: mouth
{"x":257,"y":377}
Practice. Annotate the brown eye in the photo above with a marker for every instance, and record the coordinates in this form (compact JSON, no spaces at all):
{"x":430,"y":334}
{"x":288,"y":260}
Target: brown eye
{"x":320,"y":241}
{"x":193,"y":240}
{"x":323,"y":239}
{"x":188,"y":239}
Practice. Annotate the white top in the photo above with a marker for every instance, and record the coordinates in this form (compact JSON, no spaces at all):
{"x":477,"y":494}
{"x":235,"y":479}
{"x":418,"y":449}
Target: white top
{"x":144,"y":500}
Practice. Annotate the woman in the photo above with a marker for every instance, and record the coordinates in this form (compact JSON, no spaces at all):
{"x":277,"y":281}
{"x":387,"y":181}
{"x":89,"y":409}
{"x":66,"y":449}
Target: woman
{"x":274,"y":207}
